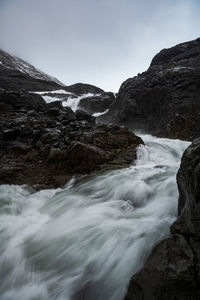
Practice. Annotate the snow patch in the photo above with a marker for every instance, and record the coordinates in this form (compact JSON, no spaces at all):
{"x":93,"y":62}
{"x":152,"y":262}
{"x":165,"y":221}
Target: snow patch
{"x":49,"y":99}
{"x":54,"y":92}
{"x":100,"y":113}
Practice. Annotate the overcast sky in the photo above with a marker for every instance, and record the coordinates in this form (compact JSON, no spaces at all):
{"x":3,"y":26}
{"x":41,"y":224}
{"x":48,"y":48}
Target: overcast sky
{"x":101,"y":42}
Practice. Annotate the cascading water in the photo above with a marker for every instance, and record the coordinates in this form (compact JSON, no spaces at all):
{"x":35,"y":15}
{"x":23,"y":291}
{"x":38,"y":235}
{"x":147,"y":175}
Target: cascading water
{"x":85,"y":241}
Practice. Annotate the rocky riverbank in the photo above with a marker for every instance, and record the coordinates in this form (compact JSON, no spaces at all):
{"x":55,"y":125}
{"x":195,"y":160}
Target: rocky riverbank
{"x":44,"y":145}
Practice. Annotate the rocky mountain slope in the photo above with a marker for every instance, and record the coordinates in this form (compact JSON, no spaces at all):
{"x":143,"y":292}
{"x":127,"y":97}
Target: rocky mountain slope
{"x":16,"y":74}
{"x":164,"y":100}
{"x":173,"y":269}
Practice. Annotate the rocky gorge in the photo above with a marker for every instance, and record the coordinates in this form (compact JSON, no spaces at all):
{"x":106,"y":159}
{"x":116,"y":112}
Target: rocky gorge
{"x":44,"y":143}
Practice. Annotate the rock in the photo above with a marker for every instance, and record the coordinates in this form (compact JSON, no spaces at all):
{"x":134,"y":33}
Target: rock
{"x":85,"y":158}
{"x":83,"y":116}
{"x":69,"y":114}
{"x":97,"y":103}
{"x":17,"y":100}
{"x":55,"y":104}
{"x":168,"y":274}
{"x":10,"y":134}
{"x":173,"y":269}
{"x":54,"y":111}
{"x":164,"y":100}
{"x":45,"y":145}
{"x":188,"y":179}
{"x":81,"y":88}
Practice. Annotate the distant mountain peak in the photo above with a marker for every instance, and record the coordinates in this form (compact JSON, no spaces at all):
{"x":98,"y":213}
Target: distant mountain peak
{"x":15,"y":63}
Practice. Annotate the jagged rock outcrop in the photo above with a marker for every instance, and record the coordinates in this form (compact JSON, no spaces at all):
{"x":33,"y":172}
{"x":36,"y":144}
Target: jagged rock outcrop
{"x":98,"y":103}
{"x":44,"y":145}
{"x":173,"y":269}
{"x":164,"y":100}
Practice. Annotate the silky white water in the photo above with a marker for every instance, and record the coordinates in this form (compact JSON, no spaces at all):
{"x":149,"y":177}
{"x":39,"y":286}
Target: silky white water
{"x":84,"y":242}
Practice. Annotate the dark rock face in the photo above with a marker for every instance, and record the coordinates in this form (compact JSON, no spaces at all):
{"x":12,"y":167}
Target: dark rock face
{"x":164,"y":100}
{"x":188,"y":179}
{"x":44,"y":145}
{"x":173,"y":269}
{"x":98,"y":103}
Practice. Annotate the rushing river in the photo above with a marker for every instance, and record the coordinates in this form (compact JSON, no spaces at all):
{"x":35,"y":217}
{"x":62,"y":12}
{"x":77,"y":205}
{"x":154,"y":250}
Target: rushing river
{"x":85,"y":241}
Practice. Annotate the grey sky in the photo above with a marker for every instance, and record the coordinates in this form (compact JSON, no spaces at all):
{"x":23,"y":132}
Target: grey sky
{"x":102,"y":42}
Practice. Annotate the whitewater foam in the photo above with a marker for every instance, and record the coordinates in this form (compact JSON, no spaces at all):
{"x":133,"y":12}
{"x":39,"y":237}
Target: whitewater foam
{"x":85,"y":241}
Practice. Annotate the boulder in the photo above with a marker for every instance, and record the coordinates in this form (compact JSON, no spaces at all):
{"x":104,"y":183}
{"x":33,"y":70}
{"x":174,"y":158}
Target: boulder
{"x":82,"y":115}
{"x":97,"y":103}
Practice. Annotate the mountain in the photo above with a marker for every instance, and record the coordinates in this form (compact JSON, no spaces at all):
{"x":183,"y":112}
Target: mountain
{"x":164,"y":100}
{"x":16,"y":74}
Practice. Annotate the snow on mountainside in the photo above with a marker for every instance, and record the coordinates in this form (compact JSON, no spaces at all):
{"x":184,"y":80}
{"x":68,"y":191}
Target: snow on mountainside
{"x":12,"y":62}
{"x":18,"y":75}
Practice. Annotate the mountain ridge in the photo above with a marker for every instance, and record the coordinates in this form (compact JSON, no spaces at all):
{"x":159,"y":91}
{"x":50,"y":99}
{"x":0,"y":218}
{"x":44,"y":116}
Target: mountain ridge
{"x":17,"y":74}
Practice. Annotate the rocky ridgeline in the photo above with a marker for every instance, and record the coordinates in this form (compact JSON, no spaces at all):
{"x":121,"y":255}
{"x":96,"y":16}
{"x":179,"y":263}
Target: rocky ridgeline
{"x":44,"y":145}
{"x":164,"y":100}
{"x":173,"y":269}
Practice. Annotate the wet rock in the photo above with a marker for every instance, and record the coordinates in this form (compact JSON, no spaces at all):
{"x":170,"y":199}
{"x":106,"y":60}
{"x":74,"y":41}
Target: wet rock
{"x":97,"y":103}
{"x":10,"y":134}
{"x":69,"y":114}
{"x":164,"y":100}
{"x":168,"y":274}
{"x":44,"y":145}
{"x":82,"y":115}
{"x":54,"y":111}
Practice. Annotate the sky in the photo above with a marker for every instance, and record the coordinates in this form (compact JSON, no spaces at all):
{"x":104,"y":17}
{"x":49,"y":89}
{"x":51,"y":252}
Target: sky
{"x":100,"y":42}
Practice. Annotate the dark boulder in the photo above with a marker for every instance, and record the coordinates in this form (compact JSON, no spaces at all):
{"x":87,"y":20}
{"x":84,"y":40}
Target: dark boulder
{"x":97,"y":103}
{"x":188,"y":179}
{"x":164,"y":100}
{"x":173,"y":269}
{"x":82,"y":115}
{"x":21,"y":101}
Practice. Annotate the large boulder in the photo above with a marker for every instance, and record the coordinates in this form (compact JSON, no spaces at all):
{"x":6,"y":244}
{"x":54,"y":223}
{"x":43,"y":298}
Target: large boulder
{"x":19,"y":100}
{"x":97,"y":103}
{"x":164,"y":100}
{"x":173,"y":269}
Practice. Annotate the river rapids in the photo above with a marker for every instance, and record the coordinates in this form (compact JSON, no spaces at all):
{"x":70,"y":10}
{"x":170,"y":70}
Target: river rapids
{"x":86,"y":240}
